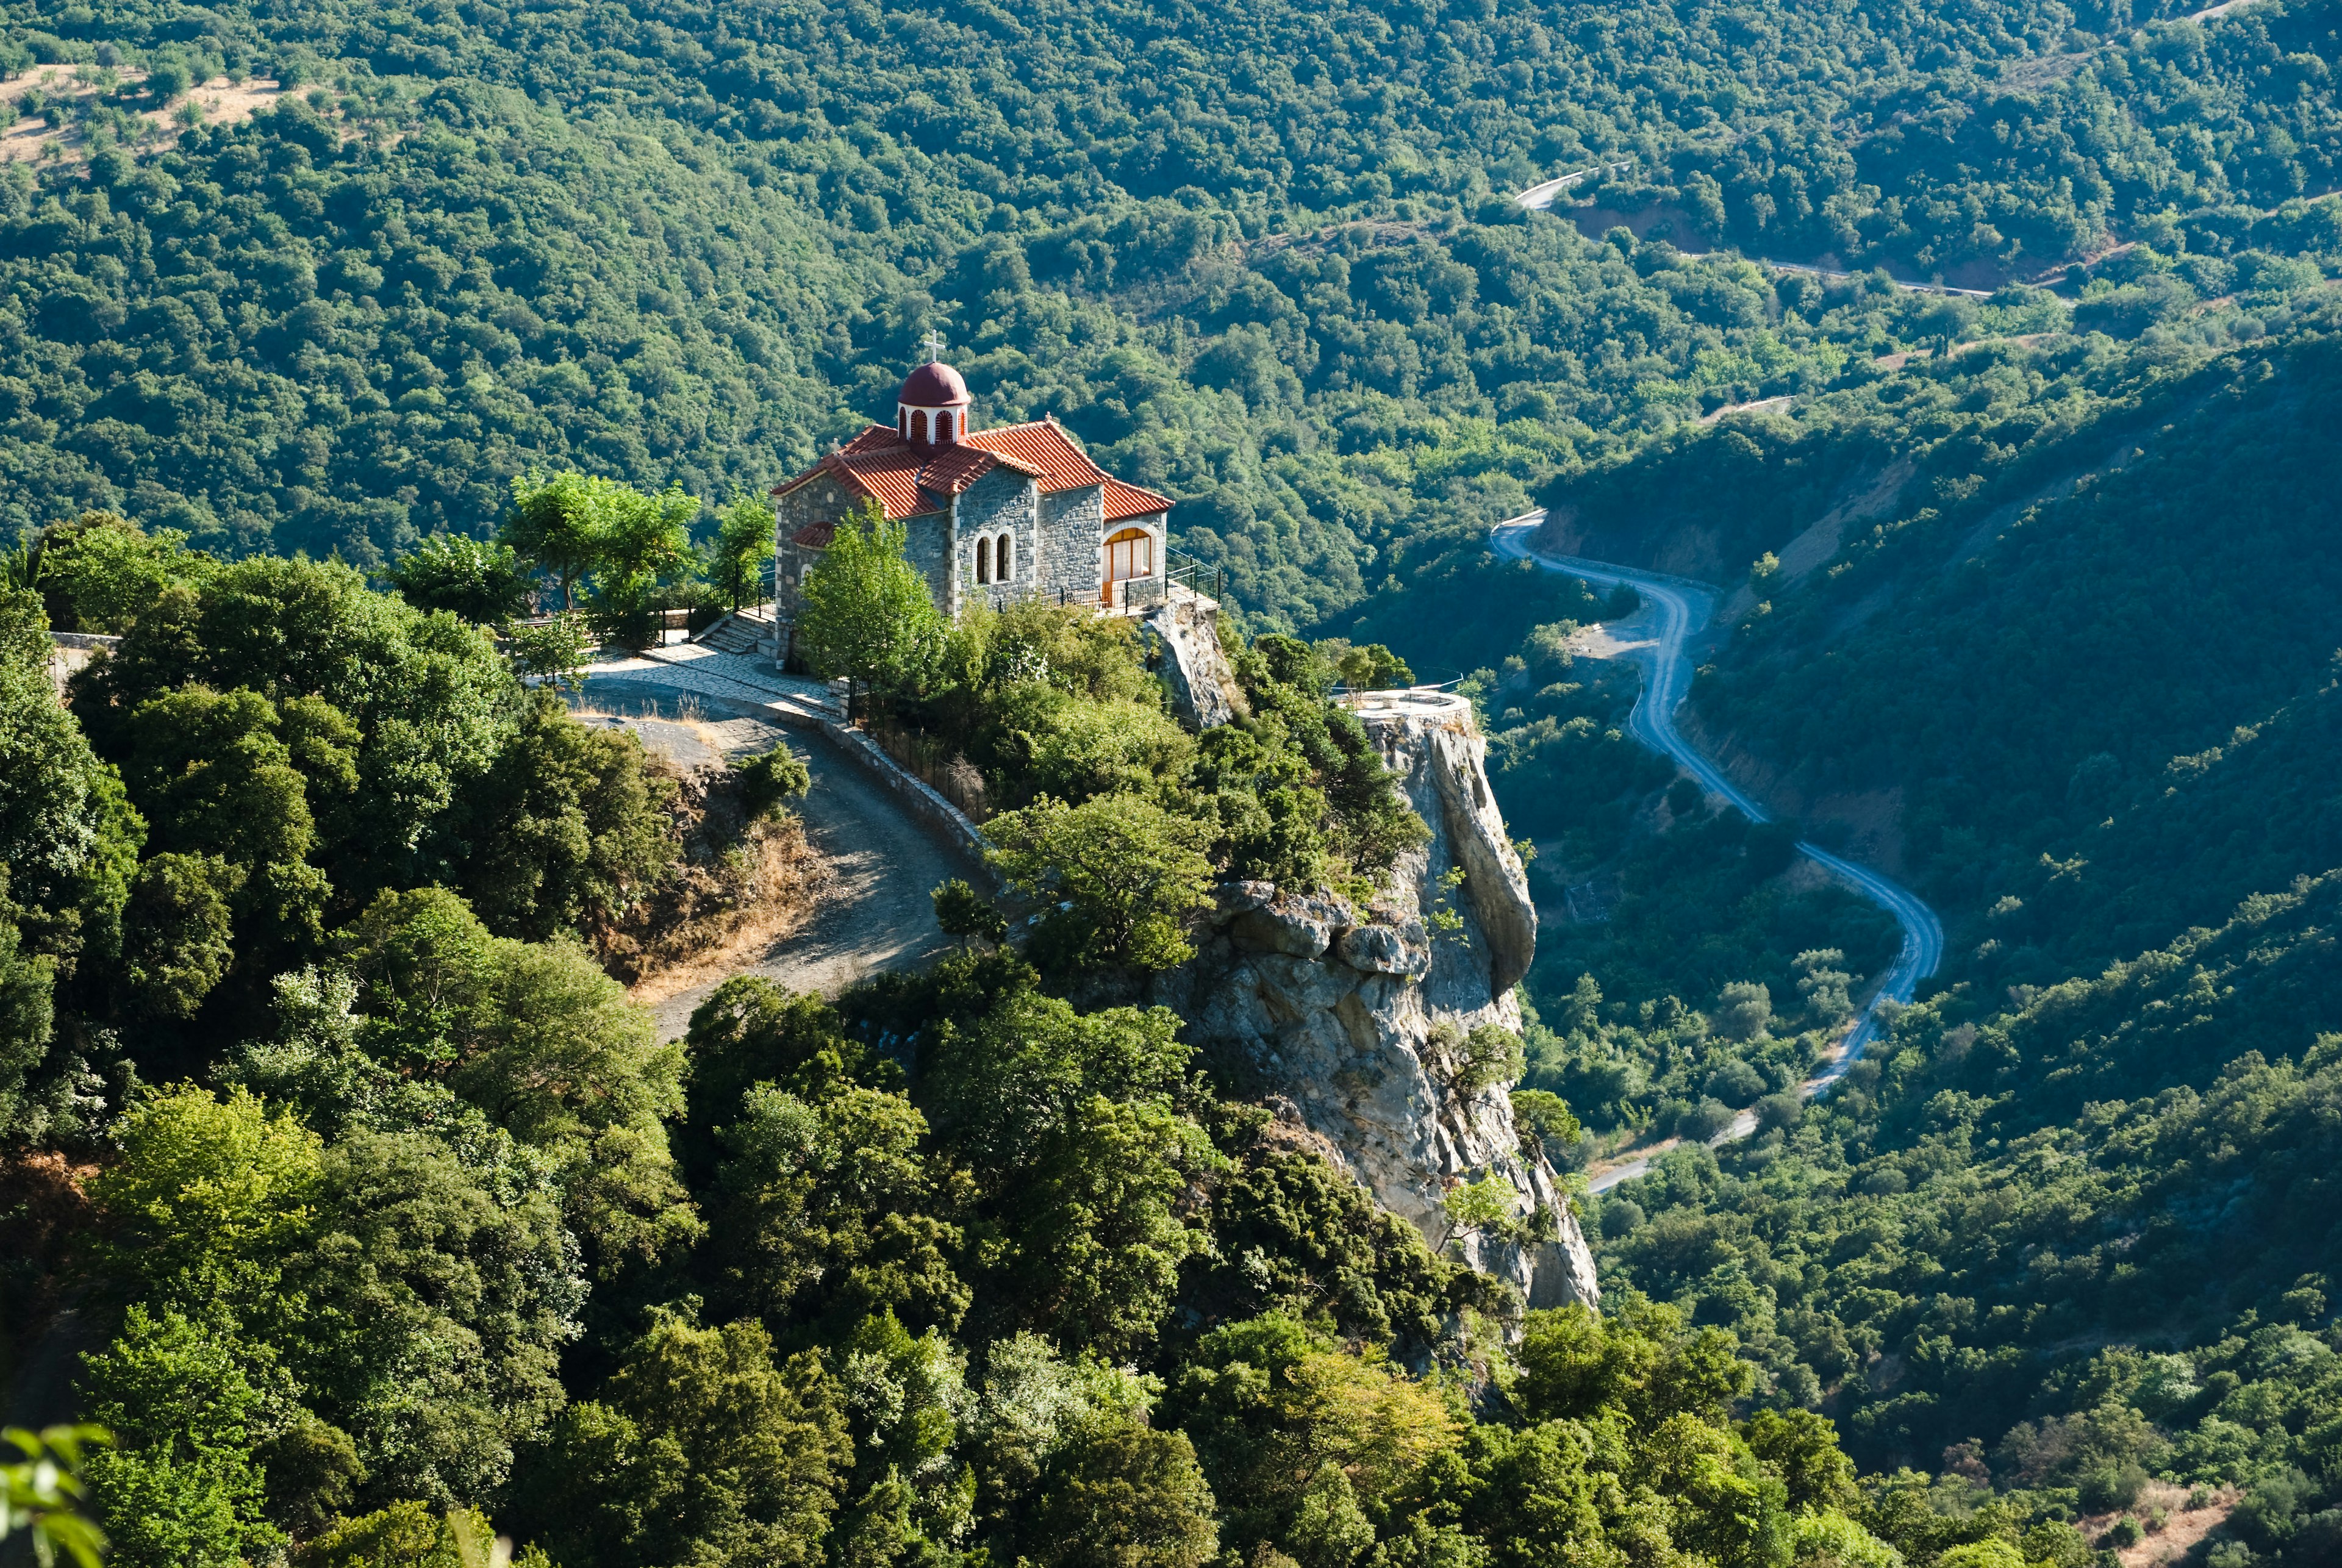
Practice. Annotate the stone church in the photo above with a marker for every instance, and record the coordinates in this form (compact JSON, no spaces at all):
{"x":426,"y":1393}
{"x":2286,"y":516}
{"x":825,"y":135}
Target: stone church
{"x":1016,"y":512}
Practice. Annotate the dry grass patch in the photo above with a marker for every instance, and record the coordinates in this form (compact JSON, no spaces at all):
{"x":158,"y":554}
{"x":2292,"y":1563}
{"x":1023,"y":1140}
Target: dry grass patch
{"x":739,"y":884}
{"x":33,"y":139}
{"x":2173,"y":1522}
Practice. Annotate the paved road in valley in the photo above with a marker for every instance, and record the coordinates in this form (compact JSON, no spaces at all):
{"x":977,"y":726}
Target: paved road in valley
{"x":1684,"y":608}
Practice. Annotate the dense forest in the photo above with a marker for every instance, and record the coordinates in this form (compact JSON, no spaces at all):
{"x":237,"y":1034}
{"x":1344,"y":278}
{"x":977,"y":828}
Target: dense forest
{"x":379,"y":1219}
{"x":2071,"y":615}
{"x":1275,"y":273}
{"x":400,"y":1227}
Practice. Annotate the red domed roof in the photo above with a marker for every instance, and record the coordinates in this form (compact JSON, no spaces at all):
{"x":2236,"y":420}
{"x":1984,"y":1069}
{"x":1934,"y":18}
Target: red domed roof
{"x":935,"y":385}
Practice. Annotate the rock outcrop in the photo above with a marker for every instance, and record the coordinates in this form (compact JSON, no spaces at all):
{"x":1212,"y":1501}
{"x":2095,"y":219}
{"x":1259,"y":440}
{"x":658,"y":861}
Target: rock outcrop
{"x":1351,"y":1022}
{"x":1203,"y":687}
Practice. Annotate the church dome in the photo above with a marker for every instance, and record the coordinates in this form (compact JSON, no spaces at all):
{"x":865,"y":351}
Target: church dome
{"x":932,"y":385}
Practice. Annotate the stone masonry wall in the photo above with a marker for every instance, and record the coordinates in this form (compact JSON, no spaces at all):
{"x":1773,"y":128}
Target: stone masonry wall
{"x":1003,"y":499}
{"x":1073,"y":525}
{"x":928,"y":546}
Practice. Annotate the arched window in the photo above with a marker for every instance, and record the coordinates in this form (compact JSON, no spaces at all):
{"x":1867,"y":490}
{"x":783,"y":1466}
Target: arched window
{"x":984,"y":560}
{"x":1128,"y":554}
{"x":903,"y":421}
{"x":1003,"y":554}
{"x":919,"y":424}
{"x":943,"y":427}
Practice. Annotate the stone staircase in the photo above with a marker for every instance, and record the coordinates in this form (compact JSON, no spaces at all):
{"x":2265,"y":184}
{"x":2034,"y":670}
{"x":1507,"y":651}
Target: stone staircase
{"x":745,"y":631}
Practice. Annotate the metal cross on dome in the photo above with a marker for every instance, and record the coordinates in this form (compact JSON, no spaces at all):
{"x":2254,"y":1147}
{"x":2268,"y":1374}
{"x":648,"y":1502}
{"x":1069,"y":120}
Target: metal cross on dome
{"x":935,"y":345}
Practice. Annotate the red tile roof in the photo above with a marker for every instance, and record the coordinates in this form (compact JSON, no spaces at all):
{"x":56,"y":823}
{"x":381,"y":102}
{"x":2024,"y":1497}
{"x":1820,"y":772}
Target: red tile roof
{"x":906,"y":478}
{"x":1129,"y":501}
{"x":1044,"y":448}
{"x":886,"y":472}
{"x":815,"y":536}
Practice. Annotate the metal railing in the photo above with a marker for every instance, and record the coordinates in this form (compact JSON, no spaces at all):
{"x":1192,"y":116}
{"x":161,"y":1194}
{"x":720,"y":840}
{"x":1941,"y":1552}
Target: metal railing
{"x":1193,"y":575}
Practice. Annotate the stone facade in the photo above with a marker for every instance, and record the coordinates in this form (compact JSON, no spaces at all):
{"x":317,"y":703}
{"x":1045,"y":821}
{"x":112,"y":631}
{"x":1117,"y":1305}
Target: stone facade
{"x":1002,"y":502}
{"x":1073,"y":530}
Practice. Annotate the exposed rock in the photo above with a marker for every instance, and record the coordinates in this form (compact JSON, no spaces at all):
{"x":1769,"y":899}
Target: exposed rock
{"x":1203,"y":688}
{"x":1339,"y":1014}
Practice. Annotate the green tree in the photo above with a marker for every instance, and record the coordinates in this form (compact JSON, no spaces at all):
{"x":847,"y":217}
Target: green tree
{"x":537,"y":1036}
{"x":208,"y":1199}
{"x":215,"y":775}
{"x":1076,"y":1128}
{"x":1744,"y":1009}
{"x":435,"y":1295}
{"x":104,"y":571}
{"x":907,"y":1494}
{"x":1133,"y":873}
{"x":1125,"y":1495}
{"x":963,"y":912}
{"x":827,"y":1208}
{"x":1373,"y":668}
{"x":182,"y":1486}
{"x":744,"y":541}
{"x":553,"y":649}
{"x":27,"y":1018}
{"x":751,"y":1031}
{"x":429,"y":697}
{"x":67,"y":834}
{"x":867,"y":613}
{"x":705,"y":1450}
{"x":567,"y":828}
{"x":479,"y":581}
{"x":643,"y":546}
{"x":407,"y":1534}
{"x":1269,"y":1402}
{"x":770,"y":780}
{"x":556,"y":523}
{"x":178,"y":934}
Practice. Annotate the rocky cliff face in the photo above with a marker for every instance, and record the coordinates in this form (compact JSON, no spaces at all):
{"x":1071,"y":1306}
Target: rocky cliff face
{"x":1352,"y":1022}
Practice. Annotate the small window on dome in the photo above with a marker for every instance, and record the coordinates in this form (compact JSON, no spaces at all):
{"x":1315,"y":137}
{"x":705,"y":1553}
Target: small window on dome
{"x":902,"y":422}
{"x":919,"y":424}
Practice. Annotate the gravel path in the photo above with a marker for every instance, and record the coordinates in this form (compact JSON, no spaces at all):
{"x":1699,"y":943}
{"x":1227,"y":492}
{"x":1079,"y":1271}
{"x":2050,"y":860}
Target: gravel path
{"x":875,"y":914}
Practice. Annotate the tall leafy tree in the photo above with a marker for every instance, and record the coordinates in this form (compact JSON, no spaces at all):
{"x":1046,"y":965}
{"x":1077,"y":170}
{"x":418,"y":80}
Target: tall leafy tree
{"x":645,"y":547}
{"x":868,"y":612}
{"x":556,"y":522}
{"x":744,"y":541}
{"x":480,"y":581}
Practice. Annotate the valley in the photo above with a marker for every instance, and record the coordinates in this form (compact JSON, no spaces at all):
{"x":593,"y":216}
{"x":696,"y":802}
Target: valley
{"x":1684,"y":609}
{"x":1029,"y":785}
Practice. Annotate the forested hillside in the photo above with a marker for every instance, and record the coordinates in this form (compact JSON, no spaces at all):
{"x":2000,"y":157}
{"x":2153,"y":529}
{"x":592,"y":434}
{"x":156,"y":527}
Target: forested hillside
{"x":347,"y":1186}
{"x":2070,"y":616}
{"x":1270,"y":271}
{"x":2078,"y":589}
{"x":366,"y":1215}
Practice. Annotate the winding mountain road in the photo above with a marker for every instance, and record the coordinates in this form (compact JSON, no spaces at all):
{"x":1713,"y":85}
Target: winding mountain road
{"x":1685,"y":607}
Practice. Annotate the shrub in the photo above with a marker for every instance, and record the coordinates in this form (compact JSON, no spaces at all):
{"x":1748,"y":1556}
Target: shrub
{"x":1703,"y":1120}
{"x":769,"y":781}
